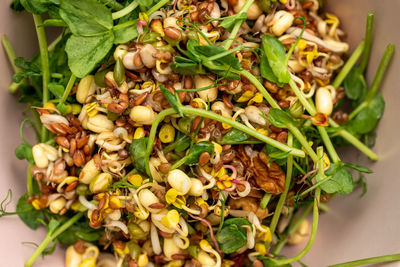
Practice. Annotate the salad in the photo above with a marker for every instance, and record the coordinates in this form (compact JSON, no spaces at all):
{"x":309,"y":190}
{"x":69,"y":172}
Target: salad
{"x":190,"y":132}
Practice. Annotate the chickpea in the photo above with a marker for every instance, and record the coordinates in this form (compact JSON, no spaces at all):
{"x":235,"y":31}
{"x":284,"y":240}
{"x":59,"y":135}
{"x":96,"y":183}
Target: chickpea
{"x":143,"y":115}
{"x":204,"y":81}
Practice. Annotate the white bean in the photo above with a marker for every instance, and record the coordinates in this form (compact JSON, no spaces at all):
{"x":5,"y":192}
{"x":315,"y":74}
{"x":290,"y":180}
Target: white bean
{"x":86,"y":87}
{"x":282,"y":21}
{"x":179,"y":181}
{"x":142,"y":115}
{"x":147,"y":198}
{"x":323,"y":101}
{"x":100,"y":123}
{"x":39,"y":156}
{"x":196,"y":189}
{"x":203,"y":81}
{"x":254,"y":115}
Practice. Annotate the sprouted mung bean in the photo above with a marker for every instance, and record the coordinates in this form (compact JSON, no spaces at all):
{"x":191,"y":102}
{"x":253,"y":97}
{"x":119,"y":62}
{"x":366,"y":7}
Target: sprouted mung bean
{"x":189,"y":133}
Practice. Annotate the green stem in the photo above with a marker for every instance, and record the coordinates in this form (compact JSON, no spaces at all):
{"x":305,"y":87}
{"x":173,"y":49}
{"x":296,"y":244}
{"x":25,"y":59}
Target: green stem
{"x":44,"y":59}
{"x":10,"y":52}
{"x":303,"y":141}
{"x":355,"y":142}
{"x":238,"y":24}
{"x":241,"y":127}
{"x":247,"y":142}
{"x":156,"y":7}
{"x":292,"y":228}
{"x":282,"y":198}
{"x":265,"y":200}
{"x":312,"y":235}
{"x":357,"y":110}
{"x":387,"y":56}
{"x":214,"y":116}
{"x":349,"y":65}
{"x":29,"y":180}
{"x":68,"y":88}
{"x":312,"y":111}
{"x":259,"y":87}
{"x":125,"y":11}
{"x":113,"y":4}
{"x":53,"y":44}
{"x":311,"y":189}
{"x":221,"y":55}
{"x":368,"y":42}
{"x":50,"y":237}
{"x":328,"y":144}
{"x":363,"y":262}
{"x":179,"y":163}
{"x":11,"y":57}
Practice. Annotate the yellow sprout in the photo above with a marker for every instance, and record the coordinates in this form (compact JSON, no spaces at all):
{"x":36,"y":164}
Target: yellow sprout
{"x":135,"y":179}
{"x":302,"y":45}
{"x":171,"y":220}
{"x":260,"y":248}
{"x":91,"y":109}
{"x":139,"y":133}
{"x":172,"y":197}
{"x":246,"y":96}
{"x":258,"y":98}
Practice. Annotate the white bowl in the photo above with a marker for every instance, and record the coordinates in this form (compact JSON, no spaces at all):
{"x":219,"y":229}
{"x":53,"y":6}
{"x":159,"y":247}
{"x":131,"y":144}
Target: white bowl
{"x":354,"y":228}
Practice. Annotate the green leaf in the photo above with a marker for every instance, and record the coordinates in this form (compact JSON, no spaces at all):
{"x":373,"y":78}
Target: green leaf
{"x":56,"y":89}
{"x":207,"y":51}
{"x":182,"y":142}
{"x":28,"y":69}
{"x":125,"y":34}
{"x":367,"y":118}
{"x":62,"y":108}
{"x":229,"y":22}
{"x":279,"y":118}
{"x":233,"y":236}
{"x":340,"y":180}
{"x":355,"y":85}
{"x":234,"y":136}
{"x":137,"y":152}
{"x":24,"y":151}
{"x":277,"y":156}
{"x":36,"y":6}
{"x":84,"y":53}
{"x":28,"y":214}
{"x":79,"y":230}
{"x":86,"y":18}
{"x":358,"y":168}
{"x":173,"y":100}
{"x":194,"y":154}
{"x":16,"y":5}
{"x":276,"y":55}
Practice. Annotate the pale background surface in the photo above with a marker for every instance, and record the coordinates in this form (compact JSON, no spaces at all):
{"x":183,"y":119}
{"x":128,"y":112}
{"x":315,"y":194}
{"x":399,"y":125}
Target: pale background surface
{"x":354,"y":228}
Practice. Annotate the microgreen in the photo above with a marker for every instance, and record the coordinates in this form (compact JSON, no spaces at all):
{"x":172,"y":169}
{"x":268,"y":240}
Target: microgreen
{"x":233,"y":235}
{"x":137,"y":150}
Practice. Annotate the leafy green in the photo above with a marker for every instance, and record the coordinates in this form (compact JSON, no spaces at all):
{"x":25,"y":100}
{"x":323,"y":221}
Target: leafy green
{"x":28,"y":69}
{"x":125,"y":34}
{"x":232,"y":235}
{"x":56,"y":89}
{"x":79,"y":230}
{"x":16,"y":5}
{"x":181,"y":143}
{"x":24,"y":151}
{"x":340,"y":180}
{"x":355,"y":85}
{"x":234,"y":136}
{"x":358,"y":168}
{"x":145,"y":3}
{"x":37,"y":6}
{"x":229,"y":22}
{"x":194,"y":154}
{"x":172,"y":99}
{"x":84,"y":52}
{"x":28,"y":214}
{"x":276,"y":155}
{"x":368,"y":117}
{"x":86,"y":18}
{"x":266,"y":70}
{"x":280,"y":118}
{"x":137,"y":151}
{"x":275,"y":53}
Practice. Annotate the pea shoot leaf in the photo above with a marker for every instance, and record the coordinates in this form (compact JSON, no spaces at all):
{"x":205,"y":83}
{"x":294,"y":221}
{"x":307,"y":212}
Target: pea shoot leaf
{"x":358,"y":168}
{"x":366,"y":120}
{"x":340,"y":181}
{"x":28,"y":69}
{"x":229,"y":22}
{"x":24,"y":151}
{"x":84,"y":52}
{"x":79,"y":230}
{"x":279,"y":118}
{"x":275,"y":53}
{"x":137,"y":152}
{"x":233,"y":236}
{"x":235,"y":136}
{"x":355,"y":85}
{"x":36,"y":6}
{"x":28,"y":214}
{"x":86,"y":18}
{"x":125,"y":34}
{"x":194,"y":154}
{"x":173,"y":100}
